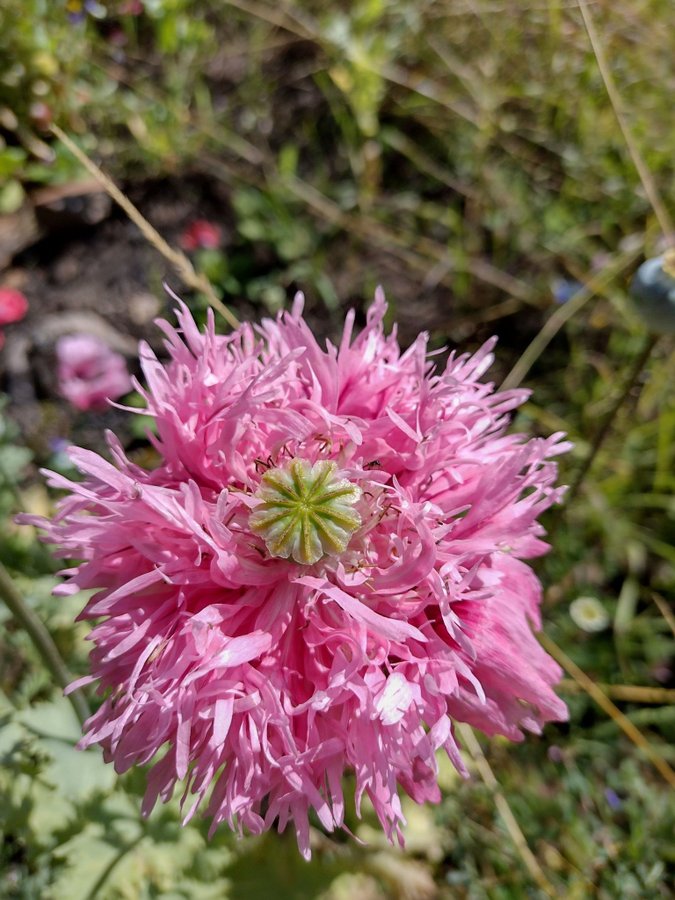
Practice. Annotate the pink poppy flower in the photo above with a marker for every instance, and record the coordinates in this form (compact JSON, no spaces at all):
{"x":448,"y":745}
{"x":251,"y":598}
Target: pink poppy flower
{"x":13,"y":307}
{"x":326,"y":572}
{"x":201,"y":235}
{"x":89,"y":372}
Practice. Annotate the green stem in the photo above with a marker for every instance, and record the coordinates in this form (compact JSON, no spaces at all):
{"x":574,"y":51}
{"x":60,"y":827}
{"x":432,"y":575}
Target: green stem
{"x":42,"y":641}
{"x":606,"y":425}
{"x":669,"y":262}
{"x":557,"y":320}
{"x":20,"y":505}
{"x":105,"y":874}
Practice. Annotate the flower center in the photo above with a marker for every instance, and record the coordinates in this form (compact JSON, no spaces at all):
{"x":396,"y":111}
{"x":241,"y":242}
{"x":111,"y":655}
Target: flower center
{"x":305,"y":511}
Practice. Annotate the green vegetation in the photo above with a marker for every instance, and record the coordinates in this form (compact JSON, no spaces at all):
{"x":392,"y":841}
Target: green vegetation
{"x":465,"y":155}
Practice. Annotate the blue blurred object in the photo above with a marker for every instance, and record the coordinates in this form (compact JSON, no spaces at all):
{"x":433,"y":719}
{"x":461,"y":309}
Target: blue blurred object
{"x":563,"y":289}
{"x":79,"y":9}
{"x":653,"y":293}
{"x":613,"y":798}
{"x":59,"y":444}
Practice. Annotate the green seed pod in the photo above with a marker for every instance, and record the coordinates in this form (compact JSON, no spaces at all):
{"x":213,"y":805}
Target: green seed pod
{"x":305,"y":511}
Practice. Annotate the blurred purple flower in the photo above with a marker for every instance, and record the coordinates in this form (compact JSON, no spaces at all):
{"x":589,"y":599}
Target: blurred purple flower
{"x":613,"y":798}
{"x":555,"y":754}
{"x":563,"y":289}
{"x":89,"y":372}
{"x":58,"y":444}
{"x":78,"y":10}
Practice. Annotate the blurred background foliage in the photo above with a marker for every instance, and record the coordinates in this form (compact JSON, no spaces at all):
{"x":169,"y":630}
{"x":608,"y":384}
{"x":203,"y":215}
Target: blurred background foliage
{"x":466,"y":155}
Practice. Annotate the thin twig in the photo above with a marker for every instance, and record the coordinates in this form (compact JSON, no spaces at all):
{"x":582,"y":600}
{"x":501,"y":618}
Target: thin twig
{"x":95,"y":890}
{"x":195,"y":280}
{"x":417,"y":251}
{"x":669,"y":262}
{"x":505,"y":811}
{"x":648,"y":183}
{"x":606,"y":425}
{"x":603,"y":701}
{"x":665,"y":611}
{"x":308,"y":30}
{"x":562,"y":315}
{"x":631,"y":693}
{"x":42,"y":641}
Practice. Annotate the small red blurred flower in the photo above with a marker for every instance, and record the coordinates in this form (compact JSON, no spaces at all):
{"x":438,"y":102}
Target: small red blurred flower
{"x":201,"y":235}
{"x":131,"y":8}
{"x":13,"y":307}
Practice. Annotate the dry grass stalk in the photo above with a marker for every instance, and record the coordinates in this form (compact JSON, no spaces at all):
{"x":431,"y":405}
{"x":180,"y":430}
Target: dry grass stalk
{"x":600,"y":697}
{"x":511,"y":823}
{"x":194,"y":280}
{"x":648,"y":183}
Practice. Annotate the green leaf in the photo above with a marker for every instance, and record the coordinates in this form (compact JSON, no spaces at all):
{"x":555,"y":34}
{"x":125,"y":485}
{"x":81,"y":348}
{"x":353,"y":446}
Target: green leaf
{"x":77,"y":774}
{"x":12,"y":196}
{"x":13,"y":460}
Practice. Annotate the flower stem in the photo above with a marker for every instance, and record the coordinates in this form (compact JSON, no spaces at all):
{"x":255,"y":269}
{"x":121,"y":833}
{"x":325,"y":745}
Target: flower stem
{"x":606,"y":425}
{"x":42,"y":640}
{"x":515,"y":831}
{"x":669,"y":262}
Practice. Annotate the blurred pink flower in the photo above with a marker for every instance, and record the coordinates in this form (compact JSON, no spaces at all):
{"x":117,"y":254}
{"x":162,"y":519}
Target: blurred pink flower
{"x":201,"y":235}
{"x":13,"y":307}
{"x":131,"y":8}
{"x":89,"y":372}
{"x":324,"y":573}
